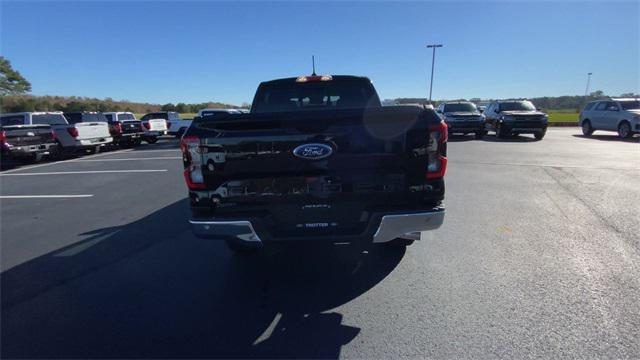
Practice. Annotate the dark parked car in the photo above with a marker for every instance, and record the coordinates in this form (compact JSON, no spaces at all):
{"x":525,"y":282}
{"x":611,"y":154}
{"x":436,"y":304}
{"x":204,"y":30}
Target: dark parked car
{"x":124,"y":127}
{"x":462,"y":117}
{"x":22,"y":142}
{"x":317,"y":158}
{"x":515,"y":117}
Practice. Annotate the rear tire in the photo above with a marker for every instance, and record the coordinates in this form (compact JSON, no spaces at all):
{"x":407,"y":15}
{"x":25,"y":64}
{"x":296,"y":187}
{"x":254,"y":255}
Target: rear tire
{"x":499,"y":132}
{"x":151,"y":139}
{"x":242,"y":247}
{"x":587,"y":130}
{"x":479,"y":135}
{"x":539,"y":135}
{"x":624,"y":130}
{"x":30,"y":159}
{"x":54,"y":153}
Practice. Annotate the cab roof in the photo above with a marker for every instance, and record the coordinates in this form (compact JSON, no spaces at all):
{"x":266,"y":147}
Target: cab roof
{"x":333,"y":78}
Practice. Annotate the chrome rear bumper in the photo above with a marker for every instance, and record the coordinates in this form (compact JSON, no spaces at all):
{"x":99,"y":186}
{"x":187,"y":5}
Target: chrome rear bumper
{"x":406,"y":226}
{"x":241,"y":230}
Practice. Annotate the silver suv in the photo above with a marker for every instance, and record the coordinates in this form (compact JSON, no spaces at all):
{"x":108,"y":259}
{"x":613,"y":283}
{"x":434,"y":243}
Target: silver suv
{"x":621,"y":115}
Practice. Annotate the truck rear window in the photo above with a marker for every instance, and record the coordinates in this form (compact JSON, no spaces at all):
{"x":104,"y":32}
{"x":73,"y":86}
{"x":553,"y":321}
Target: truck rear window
{"x":12,"y":120}
{"x":50,"y":119}
{"x":124,"y":117}
{"x":74,"y":118}
{"x":316,"y":95}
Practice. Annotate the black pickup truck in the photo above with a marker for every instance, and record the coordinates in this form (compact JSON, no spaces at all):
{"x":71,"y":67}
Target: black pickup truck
{"x":317,"y":158}
{"x":19,"y":142}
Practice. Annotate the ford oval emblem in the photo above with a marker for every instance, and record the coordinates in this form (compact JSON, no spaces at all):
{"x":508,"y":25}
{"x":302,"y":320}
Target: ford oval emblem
{"x":313,"y":151}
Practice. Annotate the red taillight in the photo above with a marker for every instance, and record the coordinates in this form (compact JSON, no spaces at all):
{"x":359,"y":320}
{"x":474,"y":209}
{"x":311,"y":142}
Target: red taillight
{"x":72,"y":131}
{"x":3,"y":137}
{"x":168,"y":124}
{"x":53,"y":135}
{"x":192,"y":157}
{"x":117,"y":127}
{"x":437,"y":151}
{"x":146,"y":126}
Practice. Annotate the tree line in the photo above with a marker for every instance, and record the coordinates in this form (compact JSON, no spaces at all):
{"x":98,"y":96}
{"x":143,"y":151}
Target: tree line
{"x":14,"y":87}
{"x":19,"y":103}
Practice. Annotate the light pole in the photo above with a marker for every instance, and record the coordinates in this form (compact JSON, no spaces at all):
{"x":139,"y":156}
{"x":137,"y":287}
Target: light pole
{"x":586,"y":91}
{"x":433,"y":60}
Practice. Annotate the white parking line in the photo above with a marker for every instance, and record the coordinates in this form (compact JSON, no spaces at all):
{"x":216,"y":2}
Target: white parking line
{"x":65,"y":161}
{"x":43,"y":196}
{"x":134,"y":159}
{"x":84,"y":172}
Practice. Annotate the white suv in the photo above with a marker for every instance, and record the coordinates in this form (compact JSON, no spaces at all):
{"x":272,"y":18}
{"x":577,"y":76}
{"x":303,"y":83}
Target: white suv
{"x":621,"y":115}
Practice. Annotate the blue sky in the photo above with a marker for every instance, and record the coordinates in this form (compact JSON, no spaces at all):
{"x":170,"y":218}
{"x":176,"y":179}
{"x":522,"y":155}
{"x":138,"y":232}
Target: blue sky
{"x":199,"y":51}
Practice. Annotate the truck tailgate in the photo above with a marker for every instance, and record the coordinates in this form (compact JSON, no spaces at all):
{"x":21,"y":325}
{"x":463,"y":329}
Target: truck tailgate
{"x":157,"y":125}
{"x":131,"y":127}
{"x":92,"y":130}
{"x":20,"y":135}
{"x":323,"y":172}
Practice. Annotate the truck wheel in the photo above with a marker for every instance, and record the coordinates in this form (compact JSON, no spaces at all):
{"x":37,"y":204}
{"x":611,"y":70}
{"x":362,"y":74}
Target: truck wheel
{"x":125,"y":144}
{"x":539,"y":135}
{"x":30,"y":159}
{"x":624,"y":130}
{"x":151,"y":139}
{"x":6,"y":161}
{"x":499,"y":132}
{"x":480,"y":134}
{"x":54,"y":153}
{"x":240,"y":246}
{"x":400,"y":242}
{"x":587,"y":130}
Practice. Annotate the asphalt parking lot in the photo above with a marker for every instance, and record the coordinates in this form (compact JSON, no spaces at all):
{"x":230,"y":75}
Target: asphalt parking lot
{"x":539,"y":256}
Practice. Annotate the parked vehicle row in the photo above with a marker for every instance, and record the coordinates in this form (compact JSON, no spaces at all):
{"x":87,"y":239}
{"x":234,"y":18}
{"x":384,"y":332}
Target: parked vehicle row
{"x":49,"y":133}
{"x":505,"y":118}
{"x":30,"y":136}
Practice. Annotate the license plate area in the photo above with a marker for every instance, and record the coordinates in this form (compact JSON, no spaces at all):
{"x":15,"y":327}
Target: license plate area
{"x":317,"y":218}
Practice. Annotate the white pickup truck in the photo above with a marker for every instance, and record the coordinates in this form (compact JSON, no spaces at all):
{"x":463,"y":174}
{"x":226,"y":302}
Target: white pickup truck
{"x":154,"y":125}
{"x":175,"y":125}
{"x":81,"y":136}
